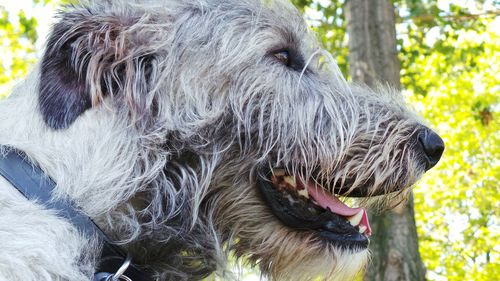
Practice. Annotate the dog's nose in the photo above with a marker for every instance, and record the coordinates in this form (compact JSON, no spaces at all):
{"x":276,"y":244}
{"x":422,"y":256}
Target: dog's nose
{"x":432,"y":145}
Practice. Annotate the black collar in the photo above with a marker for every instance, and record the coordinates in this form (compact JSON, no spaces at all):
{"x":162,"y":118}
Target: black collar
{"x":34,"y":184}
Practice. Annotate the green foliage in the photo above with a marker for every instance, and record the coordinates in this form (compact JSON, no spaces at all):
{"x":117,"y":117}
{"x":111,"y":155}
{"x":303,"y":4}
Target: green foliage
{"x":456,"y":84}
{"x":450,"y":65}
{"x":17,"y":46}
{"x":450,"y":60}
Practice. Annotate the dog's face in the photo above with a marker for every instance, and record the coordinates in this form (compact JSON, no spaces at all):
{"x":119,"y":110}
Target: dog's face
{"x":267,"y":120}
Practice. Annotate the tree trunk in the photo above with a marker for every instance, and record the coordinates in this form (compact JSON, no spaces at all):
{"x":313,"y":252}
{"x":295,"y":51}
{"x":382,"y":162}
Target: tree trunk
{"x":373,"y":58}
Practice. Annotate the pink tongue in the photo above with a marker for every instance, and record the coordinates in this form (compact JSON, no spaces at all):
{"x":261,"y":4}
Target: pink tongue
{"x":328,"y":201}
{"x":331,"y":202}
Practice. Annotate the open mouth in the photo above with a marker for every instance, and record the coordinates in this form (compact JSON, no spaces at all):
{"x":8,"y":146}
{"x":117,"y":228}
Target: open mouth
{"x":307,"y":206}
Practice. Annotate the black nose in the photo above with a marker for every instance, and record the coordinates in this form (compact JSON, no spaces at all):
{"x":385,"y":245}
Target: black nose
{"x":432,"y":145}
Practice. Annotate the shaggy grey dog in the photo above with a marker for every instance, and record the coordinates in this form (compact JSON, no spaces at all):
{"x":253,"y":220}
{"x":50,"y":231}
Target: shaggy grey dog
{"x":191,"y":131}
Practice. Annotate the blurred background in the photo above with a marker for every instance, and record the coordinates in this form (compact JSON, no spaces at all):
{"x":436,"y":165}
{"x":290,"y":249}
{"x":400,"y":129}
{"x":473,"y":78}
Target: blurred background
{"x":449,"y":58}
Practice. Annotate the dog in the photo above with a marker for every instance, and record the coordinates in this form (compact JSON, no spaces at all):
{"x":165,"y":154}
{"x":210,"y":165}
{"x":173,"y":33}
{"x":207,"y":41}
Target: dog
{"x":194,"y":131}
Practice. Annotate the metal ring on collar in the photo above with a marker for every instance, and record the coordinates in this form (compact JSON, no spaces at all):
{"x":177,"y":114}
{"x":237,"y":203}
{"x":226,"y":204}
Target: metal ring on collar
{"x":119,"y":275}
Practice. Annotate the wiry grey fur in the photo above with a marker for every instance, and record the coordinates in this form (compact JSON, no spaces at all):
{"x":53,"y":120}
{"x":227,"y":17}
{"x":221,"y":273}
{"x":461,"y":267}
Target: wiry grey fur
{"x":156,"y":118}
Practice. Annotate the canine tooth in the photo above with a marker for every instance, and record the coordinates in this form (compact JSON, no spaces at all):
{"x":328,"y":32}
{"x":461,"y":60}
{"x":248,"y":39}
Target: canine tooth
{"x":279,"y":172}
{"x":356,"y":219}
{"x":362,"y":229}
{"x":291,"y":181}
{"x":303,"y":193}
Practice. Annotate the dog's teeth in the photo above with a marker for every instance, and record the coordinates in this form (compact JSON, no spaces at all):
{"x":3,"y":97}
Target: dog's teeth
{"x":362,"y":229}
{"x":291,"y":181}
{"x":356,"y":219}
{"x":279,"y":172}
{"x":303,"y":193}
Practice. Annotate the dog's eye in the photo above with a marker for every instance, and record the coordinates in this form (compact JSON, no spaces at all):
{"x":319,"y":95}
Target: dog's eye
{"x":283,"y":56}
{"x":289,"y":57}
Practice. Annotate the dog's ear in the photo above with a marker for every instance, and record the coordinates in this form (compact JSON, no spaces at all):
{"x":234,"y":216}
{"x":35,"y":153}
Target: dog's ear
{"x":90,"y":56}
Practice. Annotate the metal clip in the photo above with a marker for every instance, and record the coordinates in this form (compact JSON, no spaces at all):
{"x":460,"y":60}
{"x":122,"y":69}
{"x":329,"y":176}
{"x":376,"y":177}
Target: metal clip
{"x":118,"y":275}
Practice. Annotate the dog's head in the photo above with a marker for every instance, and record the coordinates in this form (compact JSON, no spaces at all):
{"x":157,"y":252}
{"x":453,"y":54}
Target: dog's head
{"x":263,"y":136}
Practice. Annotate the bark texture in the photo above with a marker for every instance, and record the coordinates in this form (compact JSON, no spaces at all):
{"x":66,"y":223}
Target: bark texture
{"x":373,"y":59}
